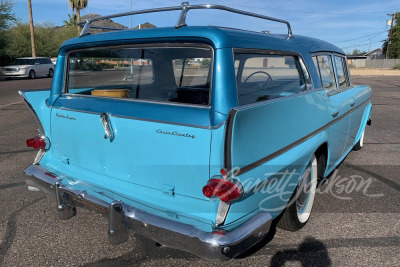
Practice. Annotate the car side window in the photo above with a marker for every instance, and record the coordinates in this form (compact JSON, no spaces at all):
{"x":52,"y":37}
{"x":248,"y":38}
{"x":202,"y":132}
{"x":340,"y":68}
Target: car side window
{"x":324,"y":64}
{"x":340,"y":72}
{"x":37,"y":61}
{"x":262,"y":77}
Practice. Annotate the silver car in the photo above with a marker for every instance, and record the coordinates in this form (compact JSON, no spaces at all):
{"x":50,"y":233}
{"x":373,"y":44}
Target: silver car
{"x":29,"y":67}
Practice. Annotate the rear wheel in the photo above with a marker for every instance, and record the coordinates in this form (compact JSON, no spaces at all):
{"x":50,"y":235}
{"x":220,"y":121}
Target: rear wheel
{"x":32,"y":74}
{"x":51,"y":73}
{"x":300,"y":205}
{"x":360,"y":142}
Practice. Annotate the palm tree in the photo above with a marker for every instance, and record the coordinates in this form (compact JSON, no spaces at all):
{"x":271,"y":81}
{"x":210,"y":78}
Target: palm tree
{"x":72,"y":22}
{"x":78,"y":5}
{"x":32,"y":29}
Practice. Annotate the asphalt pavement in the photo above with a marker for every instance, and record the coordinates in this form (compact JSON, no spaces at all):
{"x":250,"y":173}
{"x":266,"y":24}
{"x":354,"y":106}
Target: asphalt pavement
{"x":355,"y":221}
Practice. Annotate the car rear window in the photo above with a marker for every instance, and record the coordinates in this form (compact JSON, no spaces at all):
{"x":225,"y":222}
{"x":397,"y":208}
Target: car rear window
{"x":179,"y":74}
{"x":262,"y":77}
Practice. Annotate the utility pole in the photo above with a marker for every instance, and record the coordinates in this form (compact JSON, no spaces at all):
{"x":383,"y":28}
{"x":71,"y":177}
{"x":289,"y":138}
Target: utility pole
{"x":390,"y":36}
{"x":32,"y":29}
{"x":131,"y":15}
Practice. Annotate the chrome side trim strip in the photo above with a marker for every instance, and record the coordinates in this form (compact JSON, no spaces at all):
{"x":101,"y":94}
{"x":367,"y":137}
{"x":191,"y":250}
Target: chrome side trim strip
{"x":148,"y":120}
{"x":228,"y":140}
{"x":77,"y":110}
{"x":171,"y":123}
{"x":228,"y":148}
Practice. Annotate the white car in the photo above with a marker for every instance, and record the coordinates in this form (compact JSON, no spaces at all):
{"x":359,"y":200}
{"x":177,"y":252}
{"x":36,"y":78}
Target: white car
{"x":29,"y":67}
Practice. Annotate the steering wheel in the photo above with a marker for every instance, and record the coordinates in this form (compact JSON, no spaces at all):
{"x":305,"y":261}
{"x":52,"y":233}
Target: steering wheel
{"x":262,"y":83}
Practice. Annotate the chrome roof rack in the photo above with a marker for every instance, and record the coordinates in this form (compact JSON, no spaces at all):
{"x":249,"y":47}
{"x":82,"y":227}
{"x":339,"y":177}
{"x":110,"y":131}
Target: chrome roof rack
{"x":184,"y":7}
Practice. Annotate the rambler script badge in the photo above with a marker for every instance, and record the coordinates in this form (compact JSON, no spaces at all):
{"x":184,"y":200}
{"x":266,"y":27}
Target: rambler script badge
{"x":65,"y":117}
{"x":176,"y":133}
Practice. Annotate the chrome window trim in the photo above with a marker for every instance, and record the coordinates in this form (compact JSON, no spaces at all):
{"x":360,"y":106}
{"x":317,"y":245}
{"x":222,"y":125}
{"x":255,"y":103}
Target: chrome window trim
{"x":177,"y":45}
{"x":279,"y":53}
{"x":350,"y":86}
{"x":228,"y":142}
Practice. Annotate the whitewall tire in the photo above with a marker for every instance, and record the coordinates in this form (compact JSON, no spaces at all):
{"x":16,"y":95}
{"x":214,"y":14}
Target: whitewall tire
{"x":299,"y":208}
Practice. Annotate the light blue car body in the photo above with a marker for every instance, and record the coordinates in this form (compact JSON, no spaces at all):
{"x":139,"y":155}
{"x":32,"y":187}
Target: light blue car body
{"x":164,"y":174}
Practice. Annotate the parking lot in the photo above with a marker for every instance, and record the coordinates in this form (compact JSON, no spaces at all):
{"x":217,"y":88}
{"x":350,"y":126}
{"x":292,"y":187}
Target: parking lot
{"x":354,"y":222}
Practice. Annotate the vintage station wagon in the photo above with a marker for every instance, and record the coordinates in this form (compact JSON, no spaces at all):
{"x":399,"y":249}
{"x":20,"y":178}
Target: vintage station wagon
{"x":194,"y":137}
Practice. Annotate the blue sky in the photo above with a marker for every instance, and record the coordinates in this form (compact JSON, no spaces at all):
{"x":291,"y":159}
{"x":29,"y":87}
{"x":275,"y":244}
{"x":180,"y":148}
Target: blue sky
{"x":350,"y":24}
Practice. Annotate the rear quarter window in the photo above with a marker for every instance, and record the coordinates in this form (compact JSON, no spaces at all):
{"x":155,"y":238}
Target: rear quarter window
{"x":341,"y":70}
{"x":261,"y":77}
{"x":324,"y":66}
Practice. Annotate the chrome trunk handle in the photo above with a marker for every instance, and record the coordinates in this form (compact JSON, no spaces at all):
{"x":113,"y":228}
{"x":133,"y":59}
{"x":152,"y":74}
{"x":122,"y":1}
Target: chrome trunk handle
{"x":106,"y":122}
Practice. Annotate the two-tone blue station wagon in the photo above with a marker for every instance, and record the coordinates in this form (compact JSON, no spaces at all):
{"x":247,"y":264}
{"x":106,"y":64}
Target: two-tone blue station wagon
{"x":194,"y":137}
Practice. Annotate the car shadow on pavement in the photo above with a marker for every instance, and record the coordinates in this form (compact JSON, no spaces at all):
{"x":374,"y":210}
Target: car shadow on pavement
{"x":310,"y":252}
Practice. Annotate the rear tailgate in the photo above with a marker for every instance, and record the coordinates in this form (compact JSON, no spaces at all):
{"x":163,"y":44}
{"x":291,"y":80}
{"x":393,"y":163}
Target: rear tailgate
{"x":172,"y":158}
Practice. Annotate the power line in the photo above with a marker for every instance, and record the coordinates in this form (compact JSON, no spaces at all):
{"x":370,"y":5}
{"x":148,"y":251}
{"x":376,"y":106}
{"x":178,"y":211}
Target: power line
{"x":317,"y":13}
{"x":361,"y":37}
{"x":357,"y":45}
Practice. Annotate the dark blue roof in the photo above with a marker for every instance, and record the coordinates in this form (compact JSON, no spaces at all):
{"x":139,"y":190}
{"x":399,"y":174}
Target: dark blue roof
{"x":220,"y":37}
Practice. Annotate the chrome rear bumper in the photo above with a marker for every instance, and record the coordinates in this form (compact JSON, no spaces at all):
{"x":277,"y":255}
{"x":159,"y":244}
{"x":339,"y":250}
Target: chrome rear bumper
{"x":207,"y":245}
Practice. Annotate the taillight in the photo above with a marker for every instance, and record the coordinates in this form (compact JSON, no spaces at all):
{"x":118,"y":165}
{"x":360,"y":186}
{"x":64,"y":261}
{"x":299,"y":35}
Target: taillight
{"x":36,"y":142}
{"x":223,"y":189}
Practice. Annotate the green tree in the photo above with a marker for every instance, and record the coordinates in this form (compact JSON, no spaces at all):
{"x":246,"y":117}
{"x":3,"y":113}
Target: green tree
{"x":394,"y":51}
{"x":48,"y":39}
{"x":205,"y":64}
{"x":6,"y":15}
{"x":6,"y":19}
{"x":19,"y":44}
{"x":357,"y":51}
